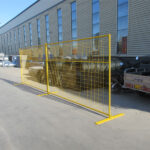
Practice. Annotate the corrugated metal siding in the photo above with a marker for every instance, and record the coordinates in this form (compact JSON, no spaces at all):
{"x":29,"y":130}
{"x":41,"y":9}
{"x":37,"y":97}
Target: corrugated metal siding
{"x":139,"y":23}
{"x":139,"y":27}
{"x":66,"y":18}
{"x":108,"y":20}
{"x":0,"y":44}
{"x":53,"y":25}
{"x":84,"y":18}
{"x":34,"y":30}
{"x":42,"y":27}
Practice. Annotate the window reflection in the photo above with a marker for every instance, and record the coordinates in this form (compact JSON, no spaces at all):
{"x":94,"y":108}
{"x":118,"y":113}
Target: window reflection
{"x":47,"y":29}
{"x":19,"y":38}
{"x":30,"y":31}
{"x":122,"y":26}
{"x":96,"y":17}
{"x":96,"y":22}
{"x":25,"y":38}
{"x":59,"y":15}
{"x":38,"y":32}
{"x":74,"y":20}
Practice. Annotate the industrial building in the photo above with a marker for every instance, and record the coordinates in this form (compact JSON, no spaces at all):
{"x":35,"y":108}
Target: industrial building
{"x":49,"y":21}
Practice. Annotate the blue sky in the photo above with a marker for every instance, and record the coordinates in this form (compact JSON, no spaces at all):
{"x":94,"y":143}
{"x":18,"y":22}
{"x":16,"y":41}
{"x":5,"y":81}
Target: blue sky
{"x":11,"y":8}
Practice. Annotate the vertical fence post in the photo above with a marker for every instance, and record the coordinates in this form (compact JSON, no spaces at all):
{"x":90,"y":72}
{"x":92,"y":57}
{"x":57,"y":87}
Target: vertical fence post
{"x":46,"y":63}
{"x":109,"y":38}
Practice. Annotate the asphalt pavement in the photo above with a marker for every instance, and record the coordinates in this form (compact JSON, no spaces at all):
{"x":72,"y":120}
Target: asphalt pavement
{"x":29,"y":122}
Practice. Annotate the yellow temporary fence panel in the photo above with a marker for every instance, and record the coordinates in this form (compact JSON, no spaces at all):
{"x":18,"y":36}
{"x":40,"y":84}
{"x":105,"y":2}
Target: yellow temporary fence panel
{"x":33,"y":71}
{"x":78,"y":71}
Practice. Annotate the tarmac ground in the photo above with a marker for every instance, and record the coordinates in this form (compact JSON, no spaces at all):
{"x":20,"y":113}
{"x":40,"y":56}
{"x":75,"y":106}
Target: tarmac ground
{"x":29,"y":122}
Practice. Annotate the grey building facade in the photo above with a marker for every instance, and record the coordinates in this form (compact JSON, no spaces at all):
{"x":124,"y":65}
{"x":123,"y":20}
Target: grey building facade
{"x":49,"y":21}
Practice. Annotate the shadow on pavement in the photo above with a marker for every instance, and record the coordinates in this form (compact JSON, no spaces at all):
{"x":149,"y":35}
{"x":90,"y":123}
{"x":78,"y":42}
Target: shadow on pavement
{"x":125,"y":99}
{"x":22,"y":87}
{"x":37,"y":92}
{"x":131,"y":100}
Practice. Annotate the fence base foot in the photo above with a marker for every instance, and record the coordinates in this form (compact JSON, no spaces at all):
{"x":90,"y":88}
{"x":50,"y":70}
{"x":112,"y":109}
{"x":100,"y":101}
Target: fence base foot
{"x":44,"y":94}
{"x":47,"y":94}
{"x":109,"y":119}
{"x":16,"y":84}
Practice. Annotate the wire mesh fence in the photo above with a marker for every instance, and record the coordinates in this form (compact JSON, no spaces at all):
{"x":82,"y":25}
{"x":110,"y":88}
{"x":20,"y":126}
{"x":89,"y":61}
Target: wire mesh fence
{"x":78,"y":71}
{"x":33,"y":71}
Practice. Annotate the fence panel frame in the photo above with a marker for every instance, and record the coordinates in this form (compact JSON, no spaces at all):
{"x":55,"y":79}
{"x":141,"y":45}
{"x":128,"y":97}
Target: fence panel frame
{"x":48,"y":92}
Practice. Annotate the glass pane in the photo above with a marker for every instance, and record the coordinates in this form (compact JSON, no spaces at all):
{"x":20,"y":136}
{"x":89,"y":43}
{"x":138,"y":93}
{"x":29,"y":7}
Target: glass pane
{"x":60,"y":36}
{"x":47,"y":26}
{"x":74,"y":33}
{"x":74,"y":24}
{"x":74,"y":15}
{"x":38,"y":26}
{"x":38,"y":29}
{"x":30,"y":26}
{"x":59,"y":20}
{"x":96,"y":18}
{"x":47,"y":32}
{"x":23,"y":28}
{"x":38,"y":22}
{"x":123,"y":23}
{"x":96,"y":29}
{"x":48,"y":39}
{"x":123,"y":10}
{"x":120,"y":2}
{"x":73,"y":6}
{"x":59,"y":12}
{"x":60,"y":28}
{"x":95,"y":1}
{"x":96,"y":7}
{"x":39,"y":34}
{"x":46,"y":18}
{"x":122,"y":33}
{"x":39,"y":41}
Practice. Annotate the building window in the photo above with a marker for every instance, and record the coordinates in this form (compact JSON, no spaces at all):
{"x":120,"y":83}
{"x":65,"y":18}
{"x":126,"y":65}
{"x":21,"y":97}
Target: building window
{"x":10,"y":44}
{"x":0,"y":44}
{"x":4,"y":43}
{"x":122,"y":26}
{"x":38,"y":32}
{"x":15,"y":36}
{"x":19,"y":38}
{"x":47,"y":29}
{"x":30,"y":33}
{"x":25,"y":37}
{"x":7,"y":41}
{"x":74,"y":20}
{"x":60,"y":36}
{"x":15,"y":40}
{"x":96,"y":17}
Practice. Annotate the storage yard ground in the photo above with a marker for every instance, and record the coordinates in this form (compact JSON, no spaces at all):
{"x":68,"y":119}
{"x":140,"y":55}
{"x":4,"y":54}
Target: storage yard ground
{"x":29,"y":122}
